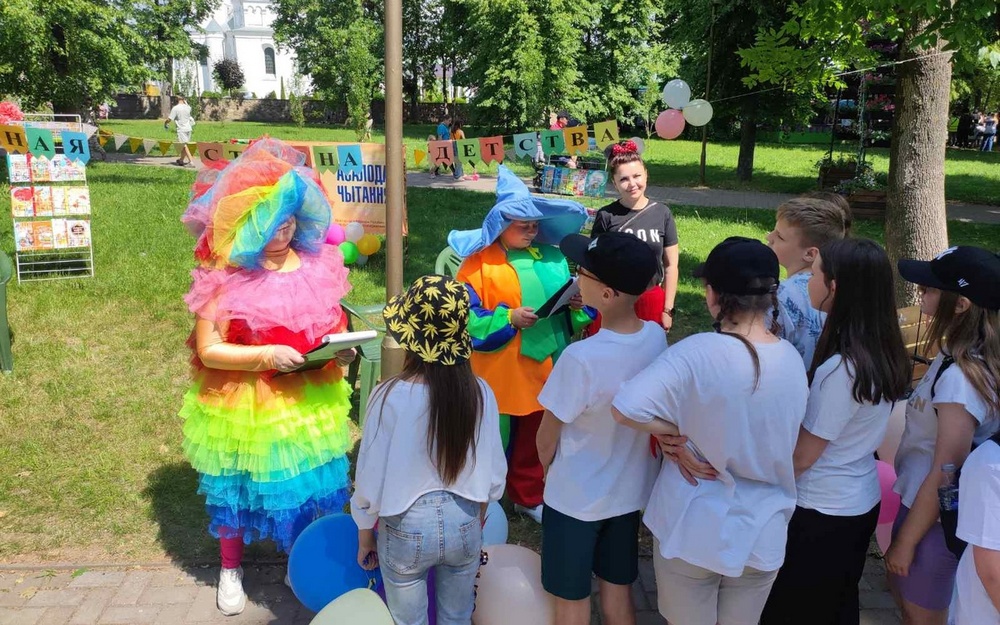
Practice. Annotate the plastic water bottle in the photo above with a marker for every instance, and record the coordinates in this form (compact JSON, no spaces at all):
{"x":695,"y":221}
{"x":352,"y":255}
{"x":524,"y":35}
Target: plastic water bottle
{"x":948,"y":491}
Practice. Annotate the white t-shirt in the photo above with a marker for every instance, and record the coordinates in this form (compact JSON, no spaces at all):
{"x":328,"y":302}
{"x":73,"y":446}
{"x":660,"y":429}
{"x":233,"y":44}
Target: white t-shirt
{"x":915,"y":457}
{"x":180,"y":114}
{"x":978,"y":524}
{"x":844,"y":480}
{"x":393,"y":468}
{"x":705,"y":385}
{"x":799,"y":322}
{"x":601,"y":469}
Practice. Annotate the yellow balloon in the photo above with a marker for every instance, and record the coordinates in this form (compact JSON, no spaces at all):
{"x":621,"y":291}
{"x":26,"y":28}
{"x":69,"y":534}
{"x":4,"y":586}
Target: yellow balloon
{"x":369,"y":244}
{"x":357,"y":607}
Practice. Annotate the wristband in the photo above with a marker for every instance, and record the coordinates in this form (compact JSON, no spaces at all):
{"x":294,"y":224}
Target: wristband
{"x":669,"y":311}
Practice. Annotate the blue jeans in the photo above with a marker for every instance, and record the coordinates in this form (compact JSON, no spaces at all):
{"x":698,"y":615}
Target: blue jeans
{"x":988,"y":142}
{"x":440,"y":531}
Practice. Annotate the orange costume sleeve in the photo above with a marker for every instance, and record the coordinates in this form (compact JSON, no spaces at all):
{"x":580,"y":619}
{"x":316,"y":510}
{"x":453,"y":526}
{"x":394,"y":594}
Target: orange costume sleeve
{"x":516,"y":380}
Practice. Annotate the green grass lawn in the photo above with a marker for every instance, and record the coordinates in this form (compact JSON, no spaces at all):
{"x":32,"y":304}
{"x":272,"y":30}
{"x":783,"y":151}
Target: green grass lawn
{"x":91,"y":462}
{"x":970,"y":176}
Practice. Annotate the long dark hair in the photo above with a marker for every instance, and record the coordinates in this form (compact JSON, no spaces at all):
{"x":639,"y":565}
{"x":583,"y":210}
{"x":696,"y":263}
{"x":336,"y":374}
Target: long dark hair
{"x":972,"y":338}
{"x":863,"y":325}
{"x":455,"y":411}
{"x":731,"y":305}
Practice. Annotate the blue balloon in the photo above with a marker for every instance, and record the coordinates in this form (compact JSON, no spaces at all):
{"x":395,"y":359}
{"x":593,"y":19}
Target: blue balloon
{"x":495,"y":530}
{"x":323,"y":562}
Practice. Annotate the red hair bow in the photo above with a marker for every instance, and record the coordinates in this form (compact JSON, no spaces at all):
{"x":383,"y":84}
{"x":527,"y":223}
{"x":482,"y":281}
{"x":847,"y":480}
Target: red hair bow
{"x":625,"y":147}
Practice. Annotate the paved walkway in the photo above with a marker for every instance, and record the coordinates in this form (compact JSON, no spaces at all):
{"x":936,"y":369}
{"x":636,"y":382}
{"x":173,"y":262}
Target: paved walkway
{"x":174,"y":595}
{"x":687,"y":196}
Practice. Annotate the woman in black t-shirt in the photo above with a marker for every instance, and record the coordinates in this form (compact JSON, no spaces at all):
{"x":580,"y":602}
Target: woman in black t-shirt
{"x":651,"y":222}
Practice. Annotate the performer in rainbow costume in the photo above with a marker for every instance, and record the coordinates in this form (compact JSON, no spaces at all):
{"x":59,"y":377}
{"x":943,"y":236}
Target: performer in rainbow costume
{"x":512,"y":266}
{"x":270,"y":450}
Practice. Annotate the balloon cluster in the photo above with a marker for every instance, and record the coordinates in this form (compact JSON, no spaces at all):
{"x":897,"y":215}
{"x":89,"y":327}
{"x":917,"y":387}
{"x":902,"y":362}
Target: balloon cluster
{"x":354,"y":244}
{"x":325,"y":576}
{"x":681,"y":108}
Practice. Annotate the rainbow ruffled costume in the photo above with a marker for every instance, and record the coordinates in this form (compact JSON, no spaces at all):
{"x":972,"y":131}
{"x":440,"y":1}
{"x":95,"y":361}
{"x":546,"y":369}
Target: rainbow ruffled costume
{"x":270,"y":450}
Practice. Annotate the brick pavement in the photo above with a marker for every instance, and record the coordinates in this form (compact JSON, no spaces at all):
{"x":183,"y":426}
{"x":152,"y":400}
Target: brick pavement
{"x":175,"y":595}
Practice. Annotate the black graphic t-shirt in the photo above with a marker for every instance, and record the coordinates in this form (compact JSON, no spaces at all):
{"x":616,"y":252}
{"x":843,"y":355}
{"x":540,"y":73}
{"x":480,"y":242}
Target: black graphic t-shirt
{"x":654,"y":225}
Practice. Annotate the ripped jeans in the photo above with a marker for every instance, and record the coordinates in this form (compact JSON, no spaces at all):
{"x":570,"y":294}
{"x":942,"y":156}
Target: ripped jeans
{"x":440,"y":531}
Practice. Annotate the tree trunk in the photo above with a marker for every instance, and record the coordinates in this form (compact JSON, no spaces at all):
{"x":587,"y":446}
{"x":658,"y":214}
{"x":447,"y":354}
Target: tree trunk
{"x":915,"y":224}
{"x":748,"y":141}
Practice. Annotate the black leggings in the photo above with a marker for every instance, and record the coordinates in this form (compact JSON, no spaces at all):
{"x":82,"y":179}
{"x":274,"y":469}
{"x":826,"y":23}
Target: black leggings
{"x":824,"y":559}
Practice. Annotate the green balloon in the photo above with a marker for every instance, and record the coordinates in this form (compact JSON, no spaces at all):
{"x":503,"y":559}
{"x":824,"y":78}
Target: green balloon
{"x":350,"y":252}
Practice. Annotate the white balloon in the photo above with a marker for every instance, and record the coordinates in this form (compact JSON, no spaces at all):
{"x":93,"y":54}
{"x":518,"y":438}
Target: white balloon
{"x":496,"y":527}
{"x":676,"y":94}
{"x":361,"y":261}
{"x":640,"y":145}
{"x":698,"y":112}
{"x":354,"y":231}
{"x":510,"y":589}
{"x":359,"y":606}
{"x":893,"y":433}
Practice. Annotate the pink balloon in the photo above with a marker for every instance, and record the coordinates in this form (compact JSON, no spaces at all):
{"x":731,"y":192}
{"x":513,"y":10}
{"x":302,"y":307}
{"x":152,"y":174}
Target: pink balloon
{"x":890,"y":500}
{"x":335,"y":235}
{"x":669,"y":124}
{"x":883,"y":536}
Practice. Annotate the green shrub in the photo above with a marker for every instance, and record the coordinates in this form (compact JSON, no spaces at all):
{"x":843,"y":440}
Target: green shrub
{"x":295,"y":110}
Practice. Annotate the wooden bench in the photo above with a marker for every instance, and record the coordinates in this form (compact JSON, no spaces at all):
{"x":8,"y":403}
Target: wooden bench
{"x":914,"y":326}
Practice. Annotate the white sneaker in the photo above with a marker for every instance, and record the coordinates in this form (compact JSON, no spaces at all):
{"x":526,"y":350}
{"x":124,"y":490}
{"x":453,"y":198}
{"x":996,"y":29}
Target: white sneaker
{"x":230,"y":597}
{"x":535,"y":514}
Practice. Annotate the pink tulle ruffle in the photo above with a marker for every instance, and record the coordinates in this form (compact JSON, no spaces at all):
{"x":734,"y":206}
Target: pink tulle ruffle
{"x":305,"y":300}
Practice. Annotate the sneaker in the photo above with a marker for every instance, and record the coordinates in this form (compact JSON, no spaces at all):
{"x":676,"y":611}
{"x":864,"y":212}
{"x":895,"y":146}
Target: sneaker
{"x":230,"y":597}
{"x":535,"y":514}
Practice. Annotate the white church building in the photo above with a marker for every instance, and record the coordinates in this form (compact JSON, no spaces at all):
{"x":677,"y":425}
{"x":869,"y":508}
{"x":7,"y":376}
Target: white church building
{"x":241,"y":30}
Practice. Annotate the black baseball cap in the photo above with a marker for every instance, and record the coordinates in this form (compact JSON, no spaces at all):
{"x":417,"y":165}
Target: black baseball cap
{"x":740,"y":266}
{"x":618,"y":259}
{"x":969,"y":271}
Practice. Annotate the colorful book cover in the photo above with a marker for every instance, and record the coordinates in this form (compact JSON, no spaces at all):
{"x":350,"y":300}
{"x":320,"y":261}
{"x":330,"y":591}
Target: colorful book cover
{"x":57,"y":168}
{"x":73,"y":171}
{"x":579,"y":182}
{"x":566,"y":182}
{"x":43,"y":235}
{"x":548,"y":173}
{"x":17,"y":168}
{"x":60,"y":238}
{"x":43,"y":201}
{"x":597,"y":182}
{"x":40,"y":171}
{"x":59,"y":202}
{"x":24,"y":236}
{"x":77,"y":201}
{"x":78,"y":232}
{"x":22,"y":202}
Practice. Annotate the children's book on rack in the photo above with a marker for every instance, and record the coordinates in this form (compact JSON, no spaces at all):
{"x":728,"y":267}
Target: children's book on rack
{"x":25,"y":168}
{"x":45,"y":201}
{"x":576,"y":182}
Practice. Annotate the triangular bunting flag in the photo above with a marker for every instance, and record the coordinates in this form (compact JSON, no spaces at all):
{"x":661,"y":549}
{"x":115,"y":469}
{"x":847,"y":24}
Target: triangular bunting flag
{"x":419,"y":156}
{"x":102,"y":139}
{"x":165,"y":147}
{"x":89,"y":130}
{"x":120,"y":140}
{"x":148,"y":145}
{"x":134,"y":143}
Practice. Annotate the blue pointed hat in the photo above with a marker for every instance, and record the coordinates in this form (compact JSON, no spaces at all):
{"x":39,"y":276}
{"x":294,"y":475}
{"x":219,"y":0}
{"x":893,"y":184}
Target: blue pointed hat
{"x":556,"y":218}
